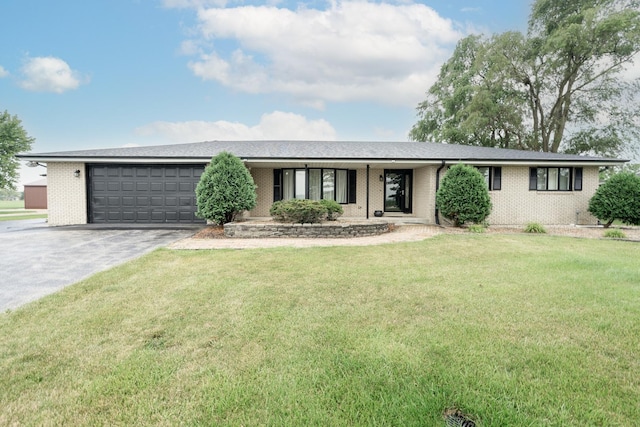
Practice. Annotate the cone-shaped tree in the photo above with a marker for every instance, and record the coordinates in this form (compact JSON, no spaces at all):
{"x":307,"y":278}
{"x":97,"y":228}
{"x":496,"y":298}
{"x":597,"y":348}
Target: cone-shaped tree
{"x":226,"y":188}
{"x":463,"y":195}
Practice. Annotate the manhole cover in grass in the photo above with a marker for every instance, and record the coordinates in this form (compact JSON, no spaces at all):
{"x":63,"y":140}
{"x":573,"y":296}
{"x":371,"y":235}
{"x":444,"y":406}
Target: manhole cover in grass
{"x":456,"y":418}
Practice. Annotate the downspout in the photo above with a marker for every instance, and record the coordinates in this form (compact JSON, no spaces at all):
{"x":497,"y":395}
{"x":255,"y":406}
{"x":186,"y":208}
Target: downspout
{"x":367,"y":191}
{"x":437,"y":188}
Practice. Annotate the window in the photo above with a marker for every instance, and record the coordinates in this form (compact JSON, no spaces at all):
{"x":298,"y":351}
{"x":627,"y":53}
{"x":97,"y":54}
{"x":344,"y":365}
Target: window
{"x":492,"y":176}
{"x":555,"y":179}
{"x":315,"y":184}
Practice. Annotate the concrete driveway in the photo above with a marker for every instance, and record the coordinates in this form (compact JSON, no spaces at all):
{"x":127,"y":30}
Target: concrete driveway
{"x":37,"y":260}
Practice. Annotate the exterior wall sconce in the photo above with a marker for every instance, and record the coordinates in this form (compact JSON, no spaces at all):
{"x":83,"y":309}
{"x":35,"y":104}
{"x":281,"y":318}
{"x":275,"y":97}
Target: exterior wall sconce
{"x":77,"y":173}
{"x":381,"y":178}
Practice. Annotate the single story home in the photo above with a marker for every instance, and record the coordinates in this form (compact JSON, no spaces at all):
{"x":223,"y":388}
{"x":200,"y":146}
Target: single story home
{"x":156,"y":184}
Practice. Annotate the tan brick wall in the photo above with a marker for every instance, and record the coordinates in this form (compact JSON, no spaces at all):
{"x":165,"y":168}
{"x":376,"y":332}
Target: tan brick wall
{"x":514,"y":204}
{"x":66,"y":194}
{"x":263,"y":178}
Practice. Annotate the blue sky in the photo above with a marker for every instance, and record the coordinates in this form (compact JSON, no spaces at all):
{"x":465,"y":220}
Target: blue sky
{"x":110,"y":73}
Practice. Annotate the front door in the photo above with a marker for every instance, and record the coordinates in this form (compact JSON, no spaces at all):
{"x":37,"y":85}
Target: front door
{"x":397,"y":190}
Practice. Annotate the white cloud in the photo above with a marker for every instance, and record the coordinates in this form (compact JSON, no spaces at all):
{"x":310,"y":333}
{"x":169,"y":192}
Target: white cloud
{"x":353,"y":50}
{"x":3,"y":72}
{"x":276,"y":125}
{"x":183,"y":4}
{"x":49,"y":74}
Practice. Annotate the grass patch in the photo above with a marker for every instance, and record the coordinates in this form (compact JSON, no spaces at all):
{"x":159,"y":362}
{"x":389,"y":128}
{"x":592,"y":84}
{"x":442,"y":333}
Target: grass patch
{"x":614,"y":234}
{"x":11,"y":204}
{"x":381,"y":335}
{"x":477,"y":228}
{"x":10,"y":212}
{"x":21,"y":217}
{"x":534,"y":227}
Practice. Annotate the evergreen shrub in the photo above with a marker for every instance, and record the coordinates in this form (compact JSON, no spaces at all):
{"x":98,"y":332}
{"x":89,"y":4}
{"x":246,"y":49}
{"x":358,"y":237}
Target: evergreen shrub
{"x":463,"y":196}
{"x":225,"y":189}
{"x":300,"y":211}
{"x":617,"y":199}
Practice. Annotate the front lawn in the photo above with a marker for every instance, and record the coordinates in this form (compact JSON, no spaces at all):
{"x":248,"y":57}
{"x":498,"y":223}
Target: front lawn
{"x":512,"y":330}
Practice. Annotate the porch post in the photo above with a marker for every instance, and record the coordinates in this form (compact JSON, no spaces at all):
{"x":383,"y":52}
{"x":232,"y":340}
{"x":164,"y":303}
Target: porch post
{"x":367,"y":191}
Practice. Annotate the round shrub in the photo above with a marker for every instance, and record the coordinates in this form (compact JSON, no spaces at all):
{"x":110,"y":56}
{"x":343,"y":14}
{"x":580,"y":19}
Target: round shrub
{"x":463,"y":195}
{"x":334,"y":209}
{"x":617,"y":199}
{"x":225,"y":189}
{"x":298,"y":211}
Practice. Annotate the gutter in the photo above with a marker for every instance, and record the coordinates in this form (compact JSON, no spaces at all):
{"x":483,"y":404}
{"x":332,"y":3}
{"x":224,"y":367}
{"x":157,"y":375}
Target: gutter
{"x":437,"y":188}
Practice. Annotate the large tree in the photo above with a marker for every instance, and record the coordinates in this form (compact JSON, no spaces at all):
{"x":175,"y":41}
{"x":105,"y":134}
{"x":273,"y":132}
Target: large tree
{"x":558,"y":88}
{"x":13,"y":140}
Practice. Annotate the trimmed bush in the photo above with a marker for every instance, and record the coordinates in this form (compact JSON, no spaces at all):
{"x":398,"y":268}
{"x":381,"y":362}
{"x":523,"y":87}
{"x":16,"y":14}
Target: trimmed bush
{"x":334,"y":210}
{"x":226,"y":188}
{"x":298,"y":211}
{"x":617,"y":199}
{"x":534,"y":227}
{"x":463,"y":195}
{"x":614,"y":234}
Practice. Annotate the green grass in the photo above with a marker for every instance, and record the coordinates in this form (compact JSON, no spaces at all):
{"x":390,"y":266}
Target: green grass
{"x":9,"y":212}
{"x":516,"y":330}
{"x":21,"y":217}
{"x":11,"y":204}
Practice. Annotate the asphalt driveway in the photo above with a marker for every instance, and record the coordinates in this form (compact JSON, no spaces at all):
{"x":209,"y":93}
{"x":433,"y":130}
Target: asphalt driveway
{"x":37,"y":260}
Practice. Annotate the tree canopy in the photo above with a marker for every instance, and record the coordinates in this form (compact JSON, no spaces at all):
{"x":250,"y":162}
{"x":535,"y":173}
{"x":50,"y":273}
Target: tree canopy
{"x":13,"y":140}
{"x":559,"y":88}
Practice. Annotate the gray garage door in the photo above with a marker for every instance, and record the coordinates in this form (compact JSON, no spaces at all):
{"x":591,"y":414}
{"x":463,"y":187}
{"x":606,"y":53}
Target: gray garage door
{"x":143,"y":193}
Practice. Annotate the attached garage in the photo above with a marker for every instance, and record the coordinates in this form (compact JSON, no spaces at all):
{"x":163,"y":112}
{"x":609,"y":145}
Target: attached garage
{"x":159,"y":193}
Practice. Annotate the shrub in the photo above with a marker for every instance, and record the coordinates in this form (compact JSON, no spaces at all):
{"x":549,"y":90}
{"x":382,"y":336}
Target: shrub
{"x":617,"y":199}
{"x":614,"y":234}
{"x":534,"y":227}
{"x":298,"y":211}
{"x":477,"y":228}
{"x":226,"y":188}
{"x":334,"y":210}
{"x":463,"y":195}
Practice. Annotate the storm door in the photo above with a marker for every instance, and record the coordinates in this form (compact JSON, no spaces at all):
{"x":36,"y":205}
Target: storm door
{"x":397,"y":190}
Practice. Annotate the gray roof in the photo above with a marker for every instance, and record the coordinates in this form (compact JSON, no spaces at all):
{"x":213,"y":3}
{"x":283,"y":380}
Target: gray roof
{"x":314,"y":150}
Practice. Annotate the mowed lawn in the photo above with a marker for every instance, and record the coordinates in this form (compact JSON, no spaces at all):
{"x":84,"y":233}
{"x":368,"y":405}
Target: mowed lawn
{"x":513,"y":330}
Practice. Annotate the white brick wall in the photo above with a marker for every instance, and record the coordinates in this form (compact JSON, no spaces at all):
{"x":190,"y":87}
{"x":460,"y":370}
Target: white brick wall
{"x":66,"y":194}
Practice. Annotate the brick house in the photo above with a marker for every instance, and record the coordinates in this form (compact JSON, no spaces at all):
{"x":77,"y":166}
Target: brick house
{"x":155,"y":184}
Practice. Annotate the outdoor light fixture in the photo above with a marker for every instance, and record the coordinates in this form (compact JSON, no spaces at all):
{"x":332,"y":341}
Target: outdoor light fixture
{"x":381,"y":178}
{"x":33,"y":164}
{"x":77,"y":173}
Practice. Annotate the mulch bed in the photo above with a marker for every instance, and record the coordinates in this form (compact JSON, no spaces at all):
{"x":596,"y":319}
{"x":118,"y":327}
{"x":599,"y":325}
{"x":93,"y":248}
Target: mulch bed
{"x":210,"y":232}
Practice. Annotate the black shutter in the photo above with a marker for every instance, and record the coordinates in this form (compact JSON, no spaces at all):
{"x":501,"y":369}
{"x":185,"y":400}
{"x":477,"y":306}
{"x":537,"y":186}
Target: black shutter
{"x":277,"y":185}
{"x":497,"y":178}
{"x":352,"y":186}
{"x":533,"y":178}
{"x":577,"y":179}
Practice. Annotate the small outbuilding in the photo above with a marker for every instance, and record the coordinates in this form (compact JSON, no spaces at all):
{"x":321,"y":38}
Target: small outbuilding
{"x":35,"y":194}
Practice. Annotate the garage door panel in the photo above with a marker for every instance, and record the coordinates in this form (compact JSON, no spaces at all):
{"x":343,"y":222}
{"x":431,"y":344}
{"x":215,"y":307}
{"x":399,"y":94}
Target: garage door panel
{"x":143,"y":193}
